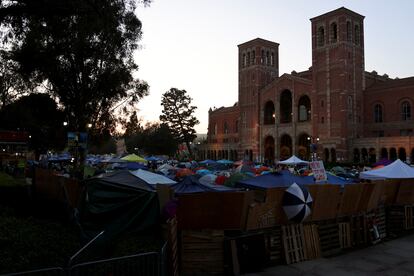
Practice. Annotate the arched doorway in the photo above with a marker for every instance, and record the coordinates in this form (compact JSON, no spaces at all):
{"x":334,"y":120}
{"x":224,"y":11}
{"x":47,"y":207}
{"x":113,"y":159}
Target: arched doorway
{"x":364,"y":155}
{"x":304,"y":109}
{"x":269,"y":113}
{"x":333,"y":155}
{"x":250,"y":155}
{"x":326,"y":155}
{"x":402,"y":155}
{"x":286,"y":107}
{"x":285,"y":147}
{"x":393,"y":154}
{"x":384,"y":153}
{"x":356,"y":156}
{"x":269,"y":150}
{"x":372,"y":155}
{"x":303,"y":146}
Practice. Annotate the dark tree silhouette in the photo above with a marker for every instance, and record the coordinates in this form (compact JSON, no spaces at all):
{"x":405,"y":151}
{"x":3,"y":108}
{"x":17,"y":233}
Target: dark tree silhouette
{"x":177,"y":113}
{"x":80,"y":50}
{"x":39,"y":115}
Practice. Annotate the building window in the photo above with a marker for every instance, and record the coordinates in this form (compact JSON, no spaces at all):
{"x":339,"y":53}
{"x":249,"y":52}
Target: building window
{"x":244,"y":60}
{"x":304,"y":111}
{"x":406,"y":111}
{"x":248,"y":58}
{"x":215,"y":129}
{"x":262,"y":57}
{"x":378,"y":133}
{"x":321,"y":36}
{"x":348,"y":31}
{"x":322,"y":103}
{"x":254,"y":57}
{"x":357,"y":35}
{"x":269,"y":113}
{"x":225,"y":128}
{"x":334,"y":32}
{"x":406,"y":132}
{"x":267,"y":58}
{"x":236,"y":126}
{"x":378,"y":113}
{"x":272,"y":59}
{"x":322,"y":120}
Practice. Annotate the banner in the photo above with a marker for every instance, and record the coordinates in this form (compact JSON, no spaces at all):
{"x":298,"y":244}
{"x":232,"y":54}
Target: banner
{"x":318,"y":170}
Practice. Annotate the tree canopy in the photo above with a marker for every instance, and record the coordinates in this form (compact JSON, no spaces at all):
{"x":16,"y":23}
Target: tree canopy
{"x":80,"y":51}
{"x":178,"y":114}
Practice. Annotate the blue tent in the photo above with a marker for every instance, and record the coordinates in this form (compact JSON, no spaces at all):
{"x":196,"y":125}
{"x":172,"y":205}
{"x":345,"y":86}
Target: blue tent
{"x":207,"y":162}
{"x":285,"y":179}
{"x":190,"y":185}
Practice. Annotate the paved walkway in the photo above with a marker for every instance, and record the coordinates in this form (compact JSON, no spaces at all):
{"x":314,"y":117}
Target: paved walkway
{"x":394,"y":258}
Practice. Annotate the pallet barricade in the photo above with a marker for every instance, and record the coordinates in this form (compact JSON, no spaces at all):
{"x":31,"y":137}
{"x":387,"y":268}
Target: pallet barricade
{"x":293,"y":243}
{"x":329,"y":237}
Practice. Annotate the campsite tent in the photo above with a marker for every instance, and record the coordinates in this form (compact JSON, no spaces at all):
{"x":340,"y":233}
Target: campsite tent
{"x":285,"y":179}
{"x":293,"y":160}
{"x":395,"y":170}
{"x":118,"y":202}
{"x":134,"y":158}
{"x":152,"y":178}
{"x":190,"y":184}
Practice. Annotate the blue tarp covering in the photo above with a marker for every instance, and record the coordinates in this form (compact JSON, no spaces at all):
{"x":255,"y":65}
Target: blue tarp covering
{"x":190,"y":184}
{"x":284,"y":179}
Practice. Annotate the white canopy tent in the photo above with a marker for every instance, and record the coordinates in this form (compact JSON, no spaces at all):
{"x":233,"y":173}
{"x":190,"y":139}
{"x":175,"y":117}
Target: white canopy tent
{"x":293,"y":160}
{"x":395,"y":170}
{"x":152,"y":178}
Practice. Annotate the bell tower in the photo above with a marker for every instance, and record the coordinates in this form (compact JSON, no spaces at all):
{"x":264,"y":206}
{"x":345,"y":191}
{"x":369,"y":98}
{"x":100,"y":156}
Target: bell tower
{"x":338,"y":80}
{"x":258,"y":66}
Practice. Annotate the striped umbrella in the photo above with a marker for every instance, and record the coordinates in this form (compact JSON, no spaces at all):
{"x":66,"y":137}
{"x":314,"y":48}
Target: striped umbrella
{"x":297,"y":203}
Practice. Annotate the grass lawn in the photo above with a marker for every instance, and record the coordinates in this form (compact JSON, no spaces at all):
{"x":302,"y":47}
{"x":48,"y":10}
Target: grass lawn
{"x":7,"y":180}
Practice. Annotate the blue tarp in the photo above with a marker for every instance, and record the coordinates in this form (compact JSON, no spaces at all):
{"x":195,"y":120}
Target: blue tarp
{"x":284,"y":179}
{"x":190,"y":184}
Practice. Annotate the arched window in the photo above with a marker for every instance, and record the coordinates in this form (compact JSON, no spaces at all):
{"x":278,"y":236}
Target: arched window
{"x":321,"y":36}
{"x":334,"y":32}
{"x":304,"y":109}
{"x":402,"y":155}
{"x":356,"y":156}
{"x":393,"y":154}
{"x":357,"y":35}
{"x":267,"y":58}
{"x":406,"y":111}
{"x":348,"y":31}
{"x":236,"y":126}
{"x":215,"y":129}
{"x":272,"y":59}
{"x":248,"y":58}
{"x":262,"y":60}
{"x":333,"y":155}
{"x":378,"y":113}
{"x":286,"y":107}
{"x":225,"y":128}
{"x":269,"y":113}
{"x":254,"y":57}
{"x":285,"y":147}
{"x":244,"y":60}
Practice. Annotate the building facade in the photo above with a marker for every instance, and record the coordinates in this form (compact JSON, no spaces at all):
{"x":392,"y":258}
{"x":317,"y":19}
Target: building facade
{"x":334,"y":109}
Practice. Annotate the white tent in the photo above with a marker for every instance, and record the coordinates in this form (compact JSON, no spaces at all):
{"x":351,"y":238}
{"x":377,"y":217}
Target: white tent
{"x":152,"y":178}
{"x":208,"y":179}
{"x":293,"y":160}
{"x":395,"y":170}
{"x":165,"y":168}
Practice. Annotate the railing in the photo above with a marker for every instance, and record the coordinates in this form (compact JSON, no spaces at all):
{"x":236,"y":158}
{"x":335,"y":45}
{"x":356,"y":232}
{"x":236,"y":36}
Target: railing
{"x":149,"y":263}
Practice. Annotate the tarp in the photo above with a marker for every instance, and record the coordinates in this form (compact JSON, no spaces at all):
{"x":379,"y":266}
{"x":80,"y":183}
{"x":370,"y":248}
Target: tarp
{"x":225,"y":162}
{"x":395,"y":170}
{"x":134,"y":158}
{"x":285,"y":179}
{"x":117,"y":203}
{"x":190,"y":184}
{"x":207,"y":162}
{"x":152,"y":178}
{"x":293,"y":160}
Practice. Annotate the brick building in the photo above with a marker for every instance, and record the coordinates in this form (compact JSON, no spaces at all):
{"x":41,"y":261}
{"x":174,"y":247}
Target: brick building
{"x":335,"y":108}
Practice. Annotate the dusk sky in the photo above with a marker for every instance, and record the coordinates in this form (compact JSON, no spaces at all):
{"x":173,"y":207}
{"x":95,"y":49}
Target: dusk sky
{"x":192,"y":44}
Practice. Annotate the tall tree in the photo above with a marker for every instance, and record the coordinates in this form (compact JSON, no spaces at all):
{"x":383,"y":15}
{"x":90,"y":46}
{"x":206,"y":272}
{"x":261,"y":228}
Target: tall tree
{"x":80,"y":50}
{"x":178,"y":114}
{"x":11,"y":85}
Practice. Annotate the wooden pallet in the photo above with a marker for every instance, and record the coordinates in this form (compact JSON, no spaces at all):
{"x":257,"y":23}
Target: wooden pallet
{"x":345,"y":235}
{"x":202,"y":252}
{"x":359,"y":235}
{"x":273,"y":244}
{"x":329,"y":238}
{"x":312,"y":243}
{"x":172,"y":246}
{"x":408,"y":221}
{"x":395,"y":217}
{"x":381,"y":222}
{"x":293,"y":243}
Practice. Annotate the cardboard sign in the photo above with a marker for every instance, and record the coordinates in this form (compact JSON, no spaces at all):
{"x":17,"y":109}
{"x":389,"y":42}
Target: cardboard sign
{"x":318,"y":170}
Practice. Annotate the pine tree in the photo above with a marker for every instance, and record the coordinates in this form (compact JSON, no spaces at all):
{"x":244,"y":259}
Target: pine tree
{"x":177,"y":113}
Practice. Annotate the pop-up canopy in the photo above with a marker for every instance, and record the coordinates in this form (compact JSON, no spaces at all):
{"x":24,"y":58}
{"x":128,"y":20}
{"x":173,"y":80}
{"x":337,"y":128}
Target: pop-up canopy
{"x":293,"y":160}
{"x":395,"y":170}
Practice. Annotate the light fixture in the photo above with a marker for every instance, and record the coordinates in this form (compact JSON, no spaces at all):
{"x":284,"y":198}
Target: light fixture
{"x":65,"y":123}
{"x":89,"y":125}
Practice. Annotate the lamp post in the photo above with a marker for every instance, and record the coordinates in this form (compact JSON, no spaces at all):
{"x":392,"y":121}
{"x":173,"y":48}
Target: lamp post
{"x":313,"y":146}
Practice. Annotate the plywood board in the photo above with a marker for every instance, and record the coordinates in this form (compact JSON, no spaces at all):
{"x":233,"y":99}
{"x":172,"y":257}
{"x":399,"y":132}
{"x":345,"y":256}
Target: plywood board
{"x":326,"y":199}
{"x":351,"y":196}
{"x":213,"y":210}
{"x":405,"y":193}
